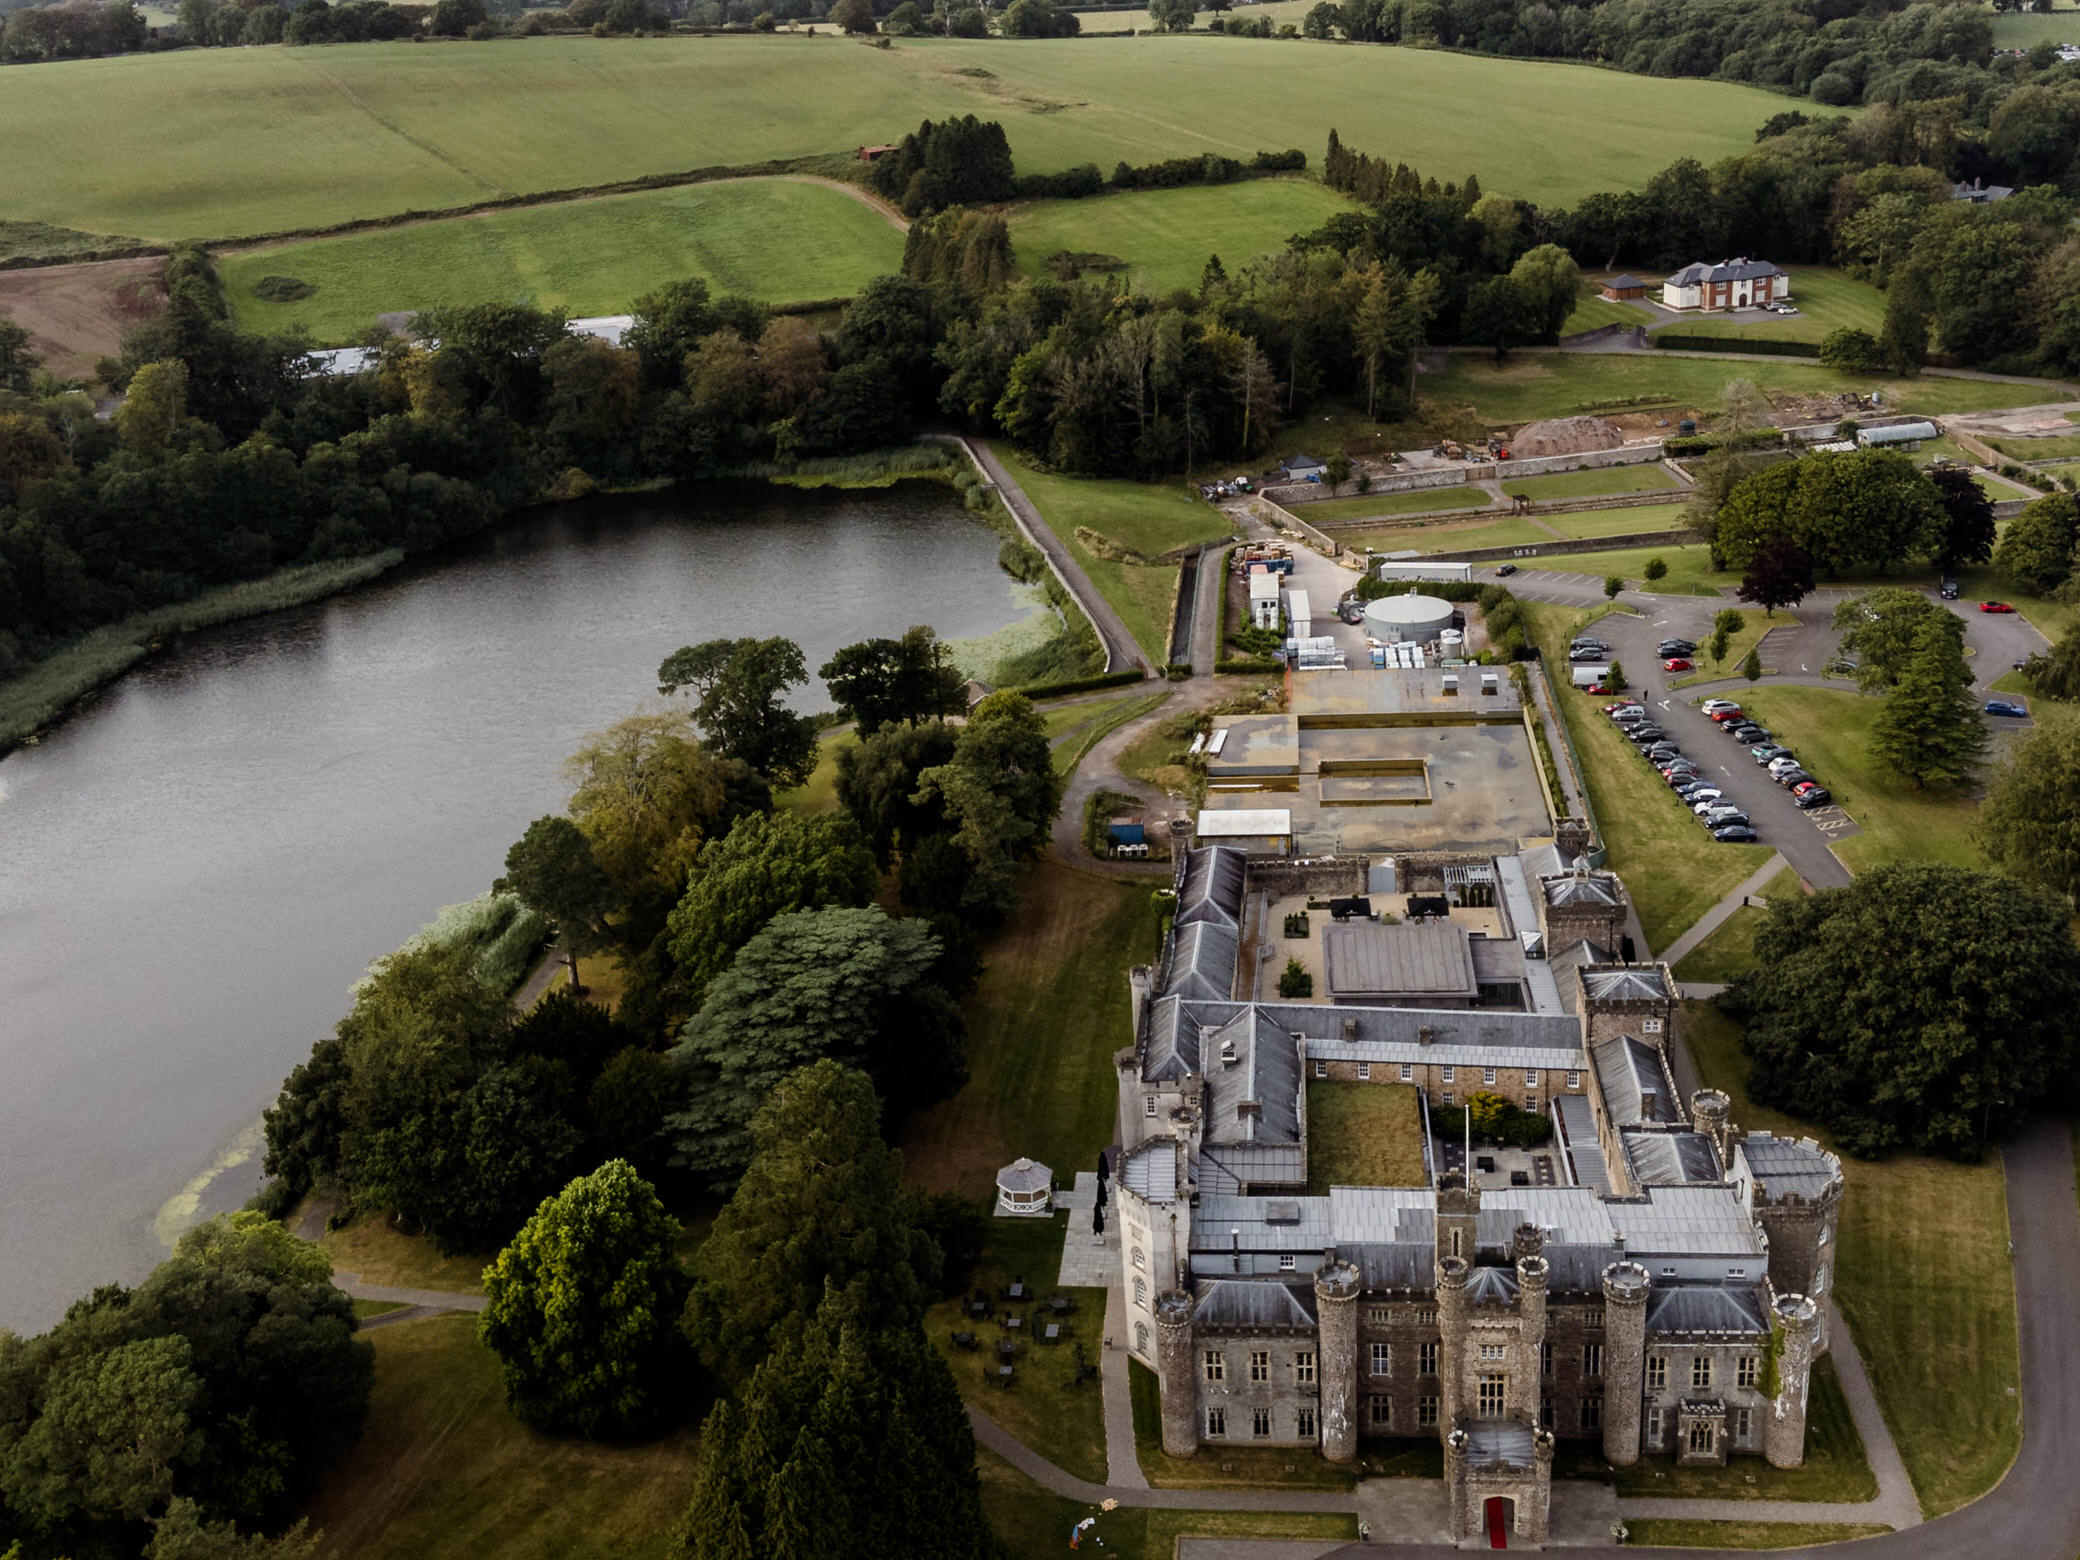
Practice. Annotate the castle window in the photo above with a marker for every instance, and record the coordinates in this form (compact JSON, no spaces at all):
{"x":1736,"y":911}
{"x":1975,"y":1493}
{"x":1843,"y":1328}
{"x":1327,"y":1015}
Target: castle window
{"x":1545,"y":1412}
{"x":1141,"y":1337}
{"x":1592,"y":1413}
{"x":1379,"y":1412}
{"x":1260,"y":1423}
{"x":1140,"y":1261}
{"x":1531,"y":1103}
{"x":1823,"y":1234}
{"x":1650,"y":1026}
{"x":1303,"y":1367}
{"x":1426,"y":1411}
{"x":1592,"y":1359}
{"x":1426,"y":1359}
{"x":1321,"y":1069}
{"x":1148,"y":1106}
{"x":1216,"y":1421}
{"x":1487,"y":1075}
{"x":1744,"y":1371}
{"x":1493,"y":1390}
{"x":1574,"y":1079}
{"x":1701,"y":1439}
{"x":1531,"y":1077}
{"x":1455,"y":1233}
{"x":1378,"y":1315}
{"x":1364,"y":1072}
{"x":1653,"y":1427}
{"x":1215,"y":1365}
{"x":1426,"y":1318}
{"x":1593,"y":1319}
{"x":1491,"y":1351}
{"x":1700,"y":1371}
{"x":1448,"y":1092}
{"x":1141,"y":1291}
{"x":1286,"y":1261}
{"x":1743,"y":1426}
{"x":1446,"y":1075}
{"x":1306,"y":1424}
{"x":1408,"y":1075}
{"x":1545,"y":1359}
{"x":1382,"y":1359}
{"x":1259,"y":1364}
{"x":1820,"y":1279}
{"x":1736,"y":1272}
{"x":1657,"y":1370}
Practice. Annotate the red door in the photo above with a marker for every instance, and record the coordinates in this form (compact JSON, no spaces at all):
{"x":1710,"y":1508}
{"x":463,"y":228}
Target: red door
{"x":1498,"y":1523}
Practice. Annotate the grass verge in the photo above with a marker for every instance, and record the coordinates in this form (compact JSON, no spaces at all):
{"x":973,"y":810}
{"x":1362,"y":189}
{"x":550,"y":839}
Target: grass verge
{"x":444,"y":1472}
{"x":1223,"y":1467}
{"x":1924,"y":1278}
{"x":1362,"y":1134}
{"x":1447,"y":538}
{"x":1671,"y":1533}
{"x":1730,"y":950}
{"x":1373,"y":506}
{"x":1753,"y":626}
{"x":1077,"y":747}
{"x":381,"y":1255}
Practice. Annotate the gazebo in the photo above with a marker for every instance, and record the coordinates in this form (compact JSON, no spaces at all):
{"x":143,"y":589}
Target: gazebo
{"x":1025,"y":1188}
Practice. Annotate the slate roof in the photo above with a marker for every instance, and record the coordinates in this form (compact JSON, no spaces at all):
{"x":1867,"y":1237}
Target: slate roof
{"x":1212,"y":887}
{"x":1620,"y":283}
{"x":1742,"y":270}
{"x":1578,"y":1125}
{"x":1367,"y":957}
{"x":1785,"y":1166}
{"x":1229,"y":1167}
{"x":1625,"y":985}
{"x":1173,"y":1042}
{"x":1707,"y":1308}
{"x":1499,"y":1441}
{"x":1582,"y":888}
{"x":1671,"y":1158}
{"x":1151,"y":1170}
{"x":1563,"y":963}
{"x":1202,"y":961}
{"x":1240,"y":1303}
{"x":1492,"y":1286}
{"x":1631,"y":1076}
{"x":1265,"y":1072}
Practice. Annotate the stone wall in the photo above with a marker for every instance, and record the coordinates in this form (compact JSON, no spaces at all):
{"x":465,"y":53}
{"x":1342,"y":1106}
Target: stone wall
{"x":1553,"y":548}
{"x":1319,"y":877}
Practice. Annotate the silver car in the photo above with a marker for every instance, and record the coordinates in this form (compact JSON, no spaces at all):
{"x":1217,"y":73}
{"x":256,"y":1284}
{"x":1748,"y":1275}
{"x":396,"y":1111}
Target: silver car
{"x":1705,"y":799}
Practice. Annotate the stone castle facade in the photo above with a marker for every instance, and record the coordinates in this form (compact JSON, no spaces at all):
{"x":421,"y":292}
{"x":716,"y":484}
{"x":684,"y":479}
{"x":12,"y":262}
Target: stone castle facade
{"x":1660,"y":1297}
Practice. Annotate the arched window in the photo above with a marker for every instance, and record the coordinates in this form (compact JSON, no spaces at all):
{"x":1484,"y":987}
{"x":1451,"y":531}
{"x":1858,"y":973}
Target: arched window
{"x":1139,"y":1260}
{"x":1141,"y":1291}
{"x":1141,"y":1337}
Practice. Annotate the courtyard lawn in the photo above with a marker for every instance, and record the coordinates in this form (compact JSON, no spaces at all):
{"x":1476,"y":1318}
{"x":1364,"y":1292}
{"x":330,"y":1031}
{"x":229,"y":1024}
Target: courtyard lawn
{"x":1675,"y":1533}
{"x":1044,"y":1407}
{"x":1150,"y":518}
{"x":1730,"y":950}
{"x":1220,"y":1466}
{"x":217,"y":143}
{"x":1165,"y":236}
{"x":1689,"y":568}
{"x":1595,"y":523}
{"x":777,"y":240}
{"x":1363,"y":1134}
{"x":1830,"y":731}
{"x":1826,"y":300}
{"x":1445,"y":536}
{"x":1043,"y":1025}
{"x":1530,"y":385}
{"x":1370,"y":506}
{"x":1035,"y":1524}
{"x":1595,"y":483}
{"x":1923,"y":1276}
{"x":444,"y":1472}
{"x":1672,"y":868}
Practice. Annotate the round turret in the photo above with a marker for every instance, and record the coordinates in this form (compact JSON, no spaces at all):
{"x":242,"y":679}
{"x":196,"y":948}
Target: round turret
{"x":1626,"y":1286}
{"x":1337,"y":1286}
{"x":1180,"y":1383}
{"x":1527,"y":1240}
{"x":1796,"y":1321}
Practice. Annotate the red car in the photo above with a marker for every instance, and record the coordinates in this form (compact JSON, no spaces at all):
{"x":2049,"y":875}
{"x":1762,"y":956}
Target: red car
{"x":1675,"y":663}
{"x":1597,"y":688}
{"x":1723,"y":716}
{"x":1995,"y":606}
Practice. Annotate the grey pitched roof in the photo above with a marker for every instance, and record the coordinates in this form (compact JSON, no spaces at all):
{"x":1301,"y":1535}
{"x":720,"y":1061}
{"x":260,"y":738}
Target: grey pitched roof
{"x":1634,"y":1083}
{"x":1578,"y":1127}
{"x":1618,"y":283}
{"x":1202,"y":961}
{"x":1784,"y":1166}
{"x":1671,"y":1158}
{"x":1582,"y":888}
{"x":1408,"y":1264}
{"x":1432,"y":959}
{"x":1229,"y":1167}
{"x":1492,"y":1286}
{"x":1625,"y":983}
{"x":1742,"y":270}
{"x":1265,"y":1073}
{"x":1245,"y":1303}
{"x":1023,"y":1175}
{"x":1151,"y":1170}
{"x":1563,"y":962}
{"x":1173,"y":1042}
{"x":1707,"y":1308}
{"x":1212,"y":887}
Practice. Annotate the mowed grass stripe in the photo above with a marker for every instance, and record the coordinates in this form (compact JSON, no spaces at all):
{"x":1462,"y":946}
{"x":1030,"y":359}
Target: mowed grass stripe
{"x":226,"y":143}
{"x":778,"y":240}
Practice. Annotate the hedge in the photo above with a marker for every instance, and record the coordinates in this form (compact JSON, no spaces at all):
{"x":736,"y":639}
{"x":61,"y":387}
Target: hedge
{"x":1755,"y":345}
{"x":1209,"y":168}
{"x":1080,"y":685}
{"x":1248,"y":666}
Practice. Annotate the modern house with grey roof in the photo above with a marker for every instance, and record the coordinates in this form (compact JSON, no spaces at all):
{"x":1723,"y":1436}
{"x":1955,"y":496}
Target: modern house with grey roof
{"x":1654,"y":1289}
{"x":1726,"y":284}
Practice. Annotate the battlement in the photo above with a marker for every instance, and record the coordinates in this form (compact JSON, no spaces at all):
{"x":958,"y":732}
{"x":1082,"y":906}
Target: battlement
{"x":1626,"y":1283}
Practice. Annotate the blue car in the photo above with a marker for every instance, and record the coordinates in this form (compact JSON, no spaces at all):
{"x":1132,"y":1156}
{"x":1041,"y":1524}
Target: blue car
{"x":2005,"y":707}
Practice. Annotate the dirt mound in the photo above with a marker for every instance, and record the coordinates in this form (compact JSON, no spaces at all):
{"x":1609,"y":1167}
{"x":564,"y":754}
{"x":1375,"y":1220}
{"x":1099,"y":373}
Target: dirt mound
{"x":1565,"y":436}
{"x":75,"y":314}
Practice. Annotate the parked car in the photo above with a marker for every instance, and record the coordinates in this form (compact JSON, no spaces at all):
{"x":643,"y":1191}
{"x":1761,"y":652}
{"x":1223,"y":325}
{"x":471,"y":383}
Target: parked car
{"x":1663,"y":752}
{"x":1675,"y":663}
{"x":1622,"y":706}
{"x":1678,"y":647}
{"x":1597,"y":687}
{"x":1813,"y":796}
{"x":1995,"y":606}
{"x":1750,"y":735}
{"x":1505,"y":570}
{"x":2005,"y":707}
{"x":1767,"y":752}
{"x":1949,"y":591}
{"x":1726,"y":714}
{"x":1792,"y":778}
{"x":1644,"y":736}
{"x":1842,"y":666}
{"x":1719,"y":817}
{"x":1581,"y":654}
{"x":1704,"y":799}
{"x":1735,"y":834}
{"x":1781,"y":764}
{"x":1717,"y":706}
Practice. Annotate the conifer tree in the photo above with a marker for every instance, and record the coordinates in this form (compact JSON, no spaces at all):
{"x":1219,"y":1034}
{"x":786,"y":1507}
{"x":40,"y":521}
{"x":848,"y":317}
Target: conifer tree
{"x":1929,"y":729}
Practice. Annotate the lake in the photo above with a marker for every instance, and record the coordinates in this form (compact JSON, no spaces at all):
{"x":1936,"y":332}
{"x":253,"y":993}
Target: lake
{"x":196,"y":868}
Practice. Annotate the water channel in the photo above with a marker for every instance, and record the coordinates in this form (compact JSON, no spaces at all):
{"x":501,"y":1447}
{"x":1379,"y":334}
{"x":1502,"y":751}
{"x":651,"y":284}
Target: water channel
{"x":195,"y":870}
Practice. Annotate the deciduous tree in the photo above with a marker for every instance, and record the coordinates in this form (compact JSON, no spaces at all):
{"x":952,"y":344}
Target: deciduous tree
{"x":738,"y":685}
{"x":1779,"y":575}
{"x":880,"y":681}
{"x":1967,"y":532}
{"x":1880,"y":629}
{"x":552,"y":868}
{"x":2035,"y":553}
{"x":1001,"y":794}
{"x":2029,"y":822}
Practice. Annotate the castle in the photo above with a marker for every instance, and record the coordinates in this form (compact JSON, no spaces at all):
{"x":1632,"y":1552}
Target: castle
{"x":1649,"y":1282}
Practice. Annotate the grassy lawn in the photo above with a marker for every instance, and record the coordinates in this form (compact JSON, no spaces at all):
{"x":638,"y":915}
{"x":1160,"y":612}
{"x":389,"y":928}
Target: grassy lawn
{"x":2063,"y":447}
{"x":1672,"y":868}
{"x":216,"y":143}
{"x":819,"y":793}
{"x":1531,"y":385}
{"x":1035,"y":1524}
{"x":1058,"y":720}
{"x":1830,"y":732}
{"x":1924,"y":1278}
{"x":1588,"y":523}
{"x":364,"y":1309}
{"x":1826,"y":299}
{"x":2025,"y":28}
{"x":777,"y":240}
{"x":1446,"y":538}
{"x":1689,"y":568}
{"x":1730,"y":950}
{"x":1835,"y":1468}
{"x":1063,"y":1422}
{"x":369,"y":1247}
{"x":1596,"y":483}
{"x":1594,"y":311}
{"x":1042,"y":1026}
{"x":1369,"y":506}
{"x":1150,"y":518}
{"x":1072,"y":751}
{"x":1239,"y":1466}
{"x":444,"y":1472}
{"x":1165,"y":236}
{"x":1754,"y":624}
{"x":1672,"y":1533}
{"x":1362,"y":1134}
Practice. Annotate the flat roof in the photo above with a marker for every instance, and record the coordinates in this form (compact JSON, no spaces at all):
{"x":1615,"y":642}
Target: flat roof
{"x":1245,"y":821}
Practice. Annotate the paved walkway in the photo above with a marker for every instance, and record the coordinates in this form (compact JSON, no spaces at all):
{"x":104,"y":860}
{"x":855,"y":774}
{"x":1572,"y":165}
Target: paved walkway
{"x":1718,"y":915}
{"x":1122,"y":1456}
{"x":425,"y":1300}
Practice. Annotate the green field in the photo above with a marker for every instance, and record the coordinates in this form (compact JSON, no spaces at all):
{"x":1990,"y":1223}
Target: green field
{"x":1689,"y":567}
{"x":1374,"y":506}
{"x":1677,"y":1533}
{"x":1594,"y":311}
{"x":1447,"y":538}
{"x":2024,"y":28}
{"x":1825,"y":300}
{"x":1137,"y":19}
{"x":1595,"y":483}
{"x":1164,"y":236}
{"x":1531,"y":385}
{"x":777,"y":240}
{"x":1587,"y":523}
{"x":220,"y":143}
{"x":2034,"y":450}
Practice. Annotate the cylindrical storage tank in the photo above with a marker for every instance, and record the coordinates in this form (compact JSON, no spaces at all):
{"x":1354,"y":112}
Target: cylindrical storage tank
{"x":1413,"y":617}
{"x":1450,"y":641}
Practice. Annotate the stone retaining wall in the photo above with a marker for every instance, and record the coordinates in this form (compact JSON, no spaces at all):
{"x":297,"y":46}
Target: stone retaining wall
{"x":1553,"y":549}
